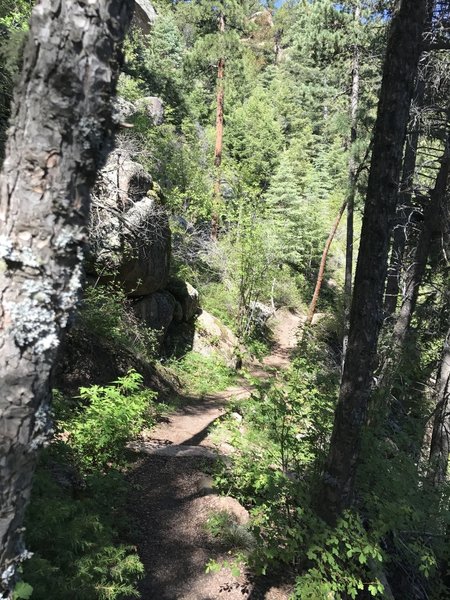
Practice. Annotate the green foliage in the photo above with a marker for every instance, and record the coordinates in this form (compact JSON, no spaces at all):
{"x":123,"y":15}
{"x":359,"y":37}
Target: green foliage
{"x":106,"y":313}
{"x":110,"y":416}
{"x":73,"y":539}
{"x":201,"y":374}
{"x":223,"y":526}
{"x":14,"y":14}
{"x":22,"y":591}
{"x":78,"y":505}
{"x":128,"y":88}
{"x":279,"y":447}
{"x":254,"y":139}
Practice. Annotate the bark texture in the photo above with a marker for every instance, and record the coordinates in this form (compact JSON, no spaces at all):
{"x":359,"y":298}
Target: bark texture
{"x":432,"y":224}
{"x":404,"y":207}
{"x":399,"y":73}
{"x":440,"y":441}
{"x":61,"y":122}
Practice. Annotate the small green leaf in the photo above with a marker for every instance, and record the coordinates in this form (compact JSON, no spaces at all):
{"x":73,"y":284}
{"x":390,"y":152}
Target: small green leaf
{"x":235,"y":571}
{"x":22,"y":591}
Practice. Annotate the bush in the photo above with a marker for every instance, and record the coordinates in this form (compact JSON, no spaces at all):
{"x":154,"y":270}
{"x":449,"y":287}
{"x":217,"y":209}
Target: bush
{"x":112,"y":415}
{"x":73,"y":539}
{"x":106,"y":312}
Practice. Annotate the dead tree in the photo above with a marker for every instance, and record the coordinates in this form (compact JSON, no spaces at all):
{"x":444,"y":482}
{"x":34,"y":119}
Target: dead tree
{"x":59,"y":131}
{"x":217,"y":200}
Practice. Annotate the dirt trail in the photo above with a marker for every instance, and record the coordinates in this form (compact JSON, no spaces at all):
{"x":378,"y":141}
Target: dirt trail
{"x":167,"y":502}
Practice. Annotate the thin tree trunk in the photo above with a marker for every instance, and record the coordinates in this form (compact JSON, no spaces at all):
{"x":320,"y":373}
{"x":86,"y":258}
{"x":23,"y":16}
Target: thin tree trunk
{"x":440,"y":441}
{"x":399,"y":73}
{"x":323,"y":262}
{"x":432,"y":224}
{"x":404,"y":208}
{"x":219,"y":138}
{"x":60,"y":124}
{"x":352,"y":179}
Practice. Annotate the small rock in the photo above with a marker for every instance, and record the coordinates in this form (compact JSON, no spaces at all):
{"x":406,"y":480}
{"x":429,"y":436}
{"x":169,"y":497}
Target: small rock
{"x":186,"y":295}
{"x":153,"y":107}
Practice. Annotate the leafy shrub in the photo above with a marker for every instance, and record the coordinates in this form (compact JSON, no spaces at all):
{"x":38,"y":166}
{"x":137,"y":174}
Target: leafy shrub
{"x":112,"y":415}
{"x":128,"y":88}
{"x":73,"y":539}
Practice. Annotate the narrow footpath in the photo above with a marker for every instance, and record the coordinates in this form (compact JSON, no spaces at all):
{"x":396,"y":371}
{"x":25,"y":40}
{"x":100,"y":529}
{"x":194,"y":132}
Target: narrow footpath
{"x":171,"y":497}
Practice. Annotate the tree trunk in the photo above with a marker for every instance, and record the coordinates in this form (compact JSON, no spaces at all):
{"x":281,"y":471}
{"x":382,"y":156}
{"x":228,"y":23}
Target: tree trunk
{"x":432,"y":223}
{"x":352,"y":179}
{"x":219,"y":138}
{"x":440,"y":441}
{"x":404,"y":209}
{"x":323,"y":262}
{"x":399,"y":73}
{"x":60,"y":125}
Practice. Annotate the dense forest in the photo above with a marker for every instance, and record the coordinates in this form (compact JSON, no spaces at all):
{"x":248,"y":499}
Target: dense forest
{"x":224,"y":312}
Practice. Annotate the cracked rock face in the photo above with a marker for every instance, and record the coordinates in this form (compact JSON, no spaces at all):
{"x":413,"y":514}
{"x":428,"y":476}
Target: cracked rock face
{"x":129,"y":233}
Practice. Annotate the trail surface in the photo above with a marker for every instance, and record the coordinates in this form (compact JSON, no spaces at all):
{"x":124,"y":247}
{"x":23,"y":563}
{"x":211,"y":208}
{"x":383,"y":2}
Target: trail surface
{"x":170,"y":501}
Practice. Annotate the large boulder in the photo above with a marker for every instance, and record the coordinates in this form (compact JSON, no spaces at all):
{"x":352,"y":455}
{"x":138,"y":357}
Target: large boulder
{"x":152,"y":107}
{"x":156,"y":311}
{"x":186,"y":295}
{"x":212,"y":336}
{"x":206,"y":335}
{"x":144,"y":15}
{"x":129,"y":237}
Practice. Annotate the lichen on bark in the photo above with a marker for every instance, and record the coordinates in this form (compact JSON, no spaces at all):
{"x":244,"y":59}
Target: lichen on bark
{"x":60,"y":131}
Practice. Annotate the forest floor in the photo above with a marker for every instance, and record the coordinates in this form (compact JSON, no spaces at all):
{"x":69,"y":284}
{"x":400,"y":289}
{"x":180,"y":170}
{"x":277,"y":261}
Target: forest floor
{"x":171,"y":499}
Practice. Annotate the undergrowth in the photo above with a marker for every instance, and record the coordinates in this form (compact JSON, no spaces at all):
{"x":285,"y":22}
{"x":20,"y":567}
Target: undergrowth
{"x":280,"y":441}
{"x":106,"y":312}
{"x":201,"y":374}
{"x":77,"y":512}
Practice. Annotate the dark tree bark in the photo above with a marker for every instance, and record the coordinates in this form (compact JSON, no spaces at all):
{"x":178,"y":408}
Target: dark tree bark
{"x":219,"y":137}
{"x":399,"y":73}
{"x":60,"y":125}
{"x":352,"y":180}
{"x":440,"y":441}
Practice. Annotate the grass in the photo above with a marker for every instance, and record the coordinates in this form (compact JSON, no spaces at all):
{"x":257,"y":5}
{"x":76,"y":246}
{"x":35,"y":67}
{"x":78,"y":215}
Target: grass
{"x":201,"y":374}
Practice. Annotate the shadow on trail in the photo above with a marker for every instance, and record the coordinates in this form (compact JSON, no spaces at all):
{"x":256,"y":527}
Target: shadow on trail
{"x":161,"y":504}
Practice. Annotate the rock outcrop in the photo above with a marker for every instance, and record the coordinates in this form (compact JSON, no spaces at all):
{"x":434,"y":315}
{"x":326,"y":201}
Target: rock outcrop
{"x":129,"y":233}
{"x":144,"y":15}
{"x":152,"y":107}
{"x":213,"y":336}
{"x":130,"y":244}
{"x":187,"y":296}
{"x":156,"y":311}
